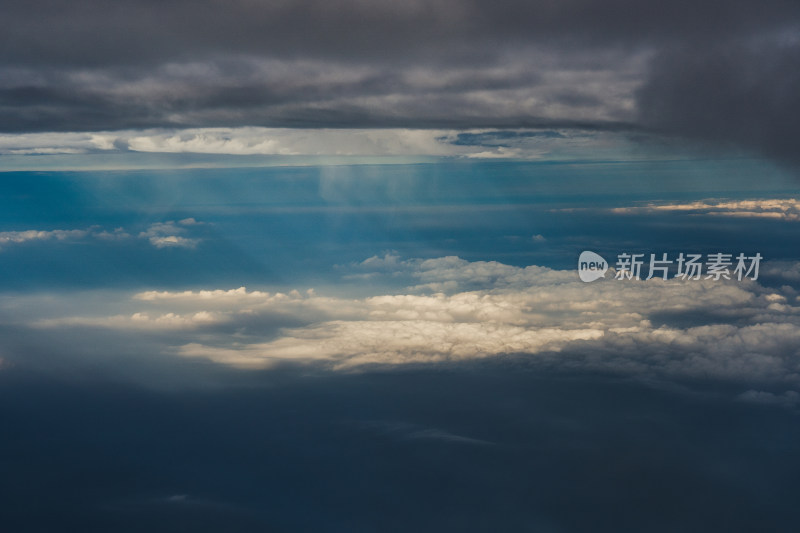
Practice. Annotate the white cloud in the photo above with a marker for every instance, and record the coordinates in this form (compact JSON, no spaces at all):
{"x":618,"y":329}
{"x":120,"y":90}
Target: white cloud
{"x":705,"y":328}
{"x":241,"y":300}
{"x":215,"y":295}
{"x":17,"y":237}
{"x":168,"y":241}
{"x":170,"y":234}
{"x":54,"y":143}
{"x":326,"y":142}
{"x":116,"y":235}
{"x":161,"y":234}
{"x":780,"y":208}
{"x":353,"y":343}
{"x":139,"y":321}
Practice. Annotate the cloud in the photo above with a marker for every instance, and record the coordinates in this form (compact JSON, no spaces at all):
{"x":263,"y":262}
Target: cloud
{"x":253,"y":141}
{"x":776,"y":208}
{"x":231,"y":295}
{"x":787,"y":399}
{"x":788,"y":270}
{"x":461,"y":311}
{"x":160,"y":234}
{"x":169,"y":241}
{"x":54,"y":143}
{"x":711,"y":70}
{"x":59,"y":235}
{"x":443,"y":59}
{"x":351,"y":29}
{"x":17,"y":237}
{"x":742,"y":91}
{"x":170,"y":234}
{"x":412,"y":432}
{"x":138,"y":321}
{"x":451,"y":272}
{"x":353,"y":343}
{"x":527,"y":90}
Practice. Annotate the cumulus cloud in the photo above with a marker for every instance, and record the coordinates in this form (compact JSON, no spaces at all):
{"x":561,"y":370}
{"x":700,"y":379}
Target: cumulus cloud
{"x":139,"y":321}
{"x":472,"y":310}
{"x":354,"y":343}
{"x":170,"y":234}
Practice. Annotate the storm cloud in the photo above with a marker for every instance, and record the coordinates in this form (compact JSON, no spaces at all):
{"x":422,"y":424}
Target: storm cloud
{"x":740,"y":93}
{"x":716,"y":71}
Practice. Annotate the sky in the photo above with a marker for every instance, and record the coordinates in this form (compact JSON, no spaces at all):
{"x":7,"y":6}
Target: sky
{"x":311,"y":265}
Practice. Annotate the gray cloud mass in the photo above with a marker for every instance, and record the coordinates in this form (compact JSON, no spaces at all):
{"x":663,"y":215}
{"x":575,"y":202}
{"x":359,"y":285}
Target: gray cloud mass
{"x":745,"y":93}
{"x":711,"y":70}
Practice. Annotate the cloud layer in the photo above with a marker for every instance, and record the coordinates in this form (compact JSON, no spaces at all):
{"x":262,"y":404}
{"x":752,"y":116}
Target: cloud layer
{"x":771,"y":208}
{"x":714,"y":71}
{"x":168,"y":234}
{"x":725,"y":330}
{"x":253,"y":141}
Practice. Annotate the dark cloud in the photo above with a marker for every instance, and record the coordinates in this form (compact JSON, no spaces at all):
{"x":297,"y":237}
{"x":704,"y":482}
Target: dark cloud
{"x":92,"y":32}
{"x":500,"y":137}
{"x":747,"y":94}
{"x":720,"y":71}
{"x":251,"y":92}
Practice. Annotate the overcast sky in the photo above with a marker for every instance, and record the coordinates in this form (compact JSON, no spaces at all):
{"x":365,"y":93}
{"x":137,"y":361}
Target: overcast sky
{"x":719,"y":71}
